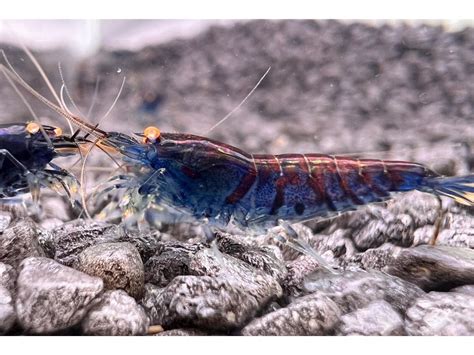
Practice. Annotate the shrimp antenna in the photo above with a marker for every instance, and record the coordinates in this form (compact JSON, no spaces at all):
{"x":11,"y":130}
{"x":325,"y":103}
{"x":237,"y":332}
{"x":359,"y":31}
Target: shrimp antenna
{"x":114,"y":102}
{"x":18,"y":92}
{"x":241,"y":103}
{"x":63,"y":103}
{"x":68,"y":94}
{"x":83,"y":168}
{"x":45,"y":78}
{"x":79,"y":122}
{"x":94,"y":97}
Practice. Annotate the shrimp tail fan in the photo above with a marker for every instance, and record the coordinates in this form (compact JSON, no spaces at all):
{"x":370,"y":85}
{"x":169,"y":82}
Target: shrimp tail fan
{"x":459,"y":188}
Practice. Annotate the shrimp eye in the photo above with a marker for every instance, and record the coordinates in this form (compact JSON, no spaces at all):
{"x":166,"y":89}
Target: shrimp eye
{"x":32,"y":127}
{"x":151,"y":134}
{"x":58,"y":132}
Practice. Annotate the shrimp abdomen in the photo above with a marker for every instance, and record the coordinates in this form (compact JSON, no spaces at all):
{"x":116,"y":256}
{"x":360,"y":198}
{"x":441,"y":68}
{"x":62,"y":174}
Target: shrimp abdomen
{"x":299,"y":187}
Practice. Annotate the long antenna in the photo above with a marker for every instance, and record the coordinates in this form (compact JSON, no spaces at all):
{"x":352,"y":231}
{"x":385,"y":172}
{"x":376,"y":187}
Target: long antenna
{"x":18,"y":92}
{"x":241,"y":103}
{"x":84,"y":125}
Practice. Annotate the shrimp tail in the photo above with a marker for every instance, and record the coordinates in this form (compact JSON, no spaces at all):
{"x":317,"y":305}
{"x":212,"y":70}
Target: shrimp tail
{"x":461,"y":189}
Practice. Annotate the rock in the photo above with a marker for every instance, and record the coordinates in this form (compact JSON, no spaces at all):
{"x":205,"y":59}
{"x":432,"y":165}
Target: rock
{"x":116,"y":314}
{"x":378,"y":258}
{"x":467,"y":289}
{"x":378,"y":318}
{"x":70,"y":239}
{"x":353,"y":290}
{"x":298,"y":269}
{"x":176,"y":258}
{"x":441,"y":313}
{"x":8,"y":277}
{"x":5,"y":220}
{"x":309,"y":315}
{"x":202,"y":301}
{"x":458,"y":231}
{"x":18,"y":242}
{"x":374,"y":225}
{"x":267,"y":258}
{"x":338,"y":242}
{"x":220,"y":291}
{"x":434,"y":267}
{"x":118,"y":264}
{"x":171,"y":259}
{"x":182,"y":332}
{"x":52,"y":297}
{"x":7,"y":310}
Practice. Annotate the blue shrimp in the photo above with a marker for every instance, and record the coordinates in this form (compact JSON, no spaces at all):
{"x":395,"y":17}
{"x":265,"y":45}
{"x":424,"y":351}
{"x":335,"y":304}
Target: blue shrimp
{"x":26,"y":154}
{"x":206,"y":180}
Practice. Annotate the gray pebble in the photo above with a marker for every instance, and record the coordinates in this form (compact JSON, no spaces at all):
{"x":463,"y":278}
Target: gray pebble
{"x":71,"y":238}
{"x":201,"y":301}
{"x":298,"y":269}
{"x":458,"y":231}
{"x":175,"y":259}
{"x":118,"y":264}
{"x":221,"y":292}
{"x":434,"y":267}
{"x":8,"y":277}
{"x":116,"y":314}
{"x":53,"y":297}
{"x":467,"y":289}
{"x":18,"y":242}
{"x":442,"y":313}
{"x":7,"y":310}
{"x":354,"y":290}
{"x":378,"y":318}
{"x":309,"y":315}
{"x":171,"y":259}
{"x":393,"y":222}
{"x":266,"y":258}
{"x":5,"y":220}
{"x":254,"y":282}
{"x":182,"y":332}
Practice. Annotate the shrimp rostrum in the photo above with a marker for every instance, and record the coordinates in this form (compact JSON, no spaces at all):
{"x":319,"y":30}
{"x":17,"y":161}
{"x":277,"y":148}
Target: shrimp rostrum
{"x":26,"y":154}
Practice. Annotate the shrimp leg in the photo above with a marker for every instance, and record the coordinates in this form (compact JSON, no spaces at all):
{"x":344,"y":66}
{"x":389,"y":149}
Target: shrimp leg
{"x":31,"y":178}
{"x":292,"y":240}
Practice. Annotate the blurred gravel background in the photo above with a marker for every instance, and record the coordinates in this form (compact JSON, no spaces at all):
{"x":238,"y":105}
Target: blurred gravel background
{"x":391,"y":91}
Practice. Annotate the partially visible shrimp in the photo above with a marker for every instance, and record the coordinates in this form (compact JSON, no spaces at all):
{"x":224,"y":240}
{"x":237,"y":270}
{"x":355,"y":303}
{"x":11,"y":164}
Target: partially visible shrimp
{"x":26,"y":154}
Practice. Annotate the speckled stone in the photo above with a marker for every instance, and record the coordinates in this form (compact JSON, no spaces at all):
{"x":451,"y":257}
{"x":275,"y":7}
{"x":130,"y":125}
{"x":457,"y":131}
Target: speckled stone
{"x":182,"y":332}
{"x":434,"y":267}
{"x":70,"y":239}
{"x":18,"y":242}
{"x":309,"y":315}
{"x":352,"y":290}
{"x":118,"y":264}
{"x":266,"y":258}
{"x":442,"y":313}
{"x":7,"y":310}
{"x":298,"y":269}
{"x":53,"y":297}
{"x":378,"y":318}
{"x":5,"y":220}
{"x":8,"y":277}
{"x":201,"y":301}
{"x":116,"y":314}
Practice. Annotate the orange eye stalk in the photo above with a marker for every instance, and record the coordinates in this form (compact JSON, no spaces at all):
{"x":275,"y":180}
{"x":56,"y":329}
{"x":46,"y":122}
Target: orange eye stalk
{"x":151,"y":134}
{"x":58,"y":132}
{"x":32,"y":127}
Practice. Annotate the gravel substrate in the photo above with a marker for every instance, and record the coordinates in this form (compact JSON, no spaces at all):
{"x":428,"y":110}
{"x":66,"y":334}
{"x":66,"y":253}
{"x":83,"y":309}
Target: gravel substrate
{"x":333,"y":87}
